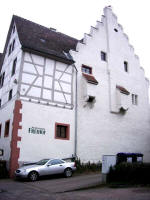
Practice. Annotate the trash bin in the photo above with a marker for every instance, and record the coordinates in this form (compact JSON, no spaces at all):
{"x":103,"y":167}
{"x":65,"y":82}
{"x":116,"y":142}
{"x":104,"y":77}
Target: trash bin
{"x":129,"y":157}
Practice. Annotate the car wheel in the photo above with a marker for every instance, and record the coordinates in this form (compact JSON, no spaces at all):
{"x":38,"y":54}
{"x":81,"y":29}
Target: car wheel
{"x":68,"y":172}
{"x":33,"y":176}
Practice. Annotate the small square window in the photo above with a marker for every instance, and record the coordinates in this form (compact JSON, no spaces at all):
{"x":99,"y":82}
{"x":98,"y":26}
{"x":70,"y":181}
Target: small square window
{"x":86,"y":69}
{"x":62,"y":131}
{"x":14,"y":67}
{"x":10,"y":95}
{"x":7,"y":124}
{"x":125,"y":66}
{"x":134,"y":99}
{"x":103,"y":56}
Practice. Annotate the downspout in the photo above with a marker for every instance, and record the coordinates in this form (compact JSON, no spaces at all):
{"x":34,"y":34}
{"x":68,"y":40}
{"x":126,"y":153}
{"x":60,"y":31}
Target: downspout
{"x":76,"y":111}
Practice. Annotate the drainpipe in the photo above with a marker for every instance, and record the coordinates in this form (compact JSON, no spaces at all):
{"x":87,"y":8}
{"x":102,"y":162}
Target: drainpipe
{"x":76,"y":111}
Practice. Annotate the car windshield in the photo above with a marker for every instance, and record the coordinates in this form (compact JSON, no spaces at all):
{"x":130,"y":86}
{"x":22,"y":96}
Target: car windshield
{"x":42,"y":162}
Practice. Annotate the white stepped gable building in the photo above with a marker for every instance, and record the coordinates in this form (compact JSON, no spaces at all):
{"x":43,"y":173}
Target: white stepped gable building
{"x":63,"y":97}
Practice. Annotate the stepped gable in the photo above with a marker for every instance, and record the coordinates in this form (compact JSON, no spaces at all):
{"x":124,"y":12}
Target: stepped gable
{"x":37,"y":38}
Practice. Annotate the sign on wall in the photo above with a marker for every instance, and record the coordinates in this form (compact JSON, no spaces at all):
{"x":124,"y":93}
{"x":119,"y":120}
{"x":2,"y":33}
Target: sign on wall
{"x":36,"y":130}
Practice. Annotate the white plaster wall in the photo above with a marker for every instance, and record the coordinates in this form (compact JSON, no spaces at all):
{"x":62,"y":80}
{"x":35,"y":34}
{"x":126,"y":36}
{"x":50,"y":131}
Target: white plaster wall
{"x":6,"y":110}
{"x":34,"y":147}
{"x":6,"y":114}
{"x":101,"y":132}
{"x":7,"y":68}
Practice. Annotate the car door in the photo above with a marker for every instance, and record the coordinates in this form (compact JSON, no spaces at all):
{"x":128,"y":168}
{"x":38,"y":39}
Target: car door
{"x":55,"y":166}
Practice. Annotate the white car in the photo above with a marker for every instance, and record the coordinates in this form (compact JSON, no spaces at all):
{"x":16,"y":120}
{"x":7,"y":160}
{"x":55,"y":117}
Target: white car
{"x":45,"y":167}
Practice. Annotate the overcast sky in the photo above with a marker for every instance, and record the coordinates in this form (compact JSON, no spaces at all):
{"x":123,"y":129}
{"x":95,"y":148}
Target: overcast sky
{"x":74,"y":18}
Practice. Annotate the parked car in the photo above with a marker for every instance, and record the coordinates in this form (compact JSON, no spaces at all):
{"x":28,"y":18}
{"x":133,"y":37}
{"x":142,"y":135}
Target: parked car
{"x":45,"y":167}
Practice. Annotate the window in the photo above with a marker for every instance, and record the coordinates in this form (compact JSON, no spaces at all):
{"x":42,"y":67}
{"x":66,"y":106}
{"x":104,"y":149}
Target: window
{"x":86,"y":69}
{"x":125,"y":66}
{"x":13,"y":45}
{"x":134,"y":99}
{"x":6,"y":134}
{"x":62,"y":131}
{"x":0,"y":103}
{"x":10,"y":47}
{"x":14,"y":67}
{"x":103,"y":56}
{"x":10,"y":95}
{"x":14,"y":28}
{"x":0,"y":130}
{"x":2,"y":79}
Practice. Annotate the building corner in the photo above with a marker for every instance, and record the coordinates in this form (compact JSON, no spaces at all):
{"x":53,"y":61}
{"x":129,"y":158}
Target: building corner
{"x":15,"y":151}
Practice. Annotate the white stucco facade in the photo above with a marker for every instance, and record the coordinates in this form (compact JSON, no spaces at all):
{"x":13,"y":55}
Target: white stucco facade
{"x":103,"y":129}
{"x":34,"y":147}
{"x":50,"y":92}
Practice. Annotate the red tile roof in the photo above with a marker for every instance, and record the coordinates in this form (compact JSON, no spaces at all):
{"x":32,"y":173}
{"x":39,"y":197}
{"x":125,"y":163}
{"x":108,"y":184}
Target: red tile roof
{"x":122,"y":90}
{"x":90,"y":78}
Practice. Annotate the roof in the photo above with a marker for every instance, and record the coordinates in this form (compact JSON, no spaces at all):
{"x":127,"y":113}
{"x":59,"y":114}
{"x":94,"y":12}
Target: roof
{"x":90,"y":78}
{"x":122,"y":90}
{"x":37,"y":38}
{"x":42,"y":40}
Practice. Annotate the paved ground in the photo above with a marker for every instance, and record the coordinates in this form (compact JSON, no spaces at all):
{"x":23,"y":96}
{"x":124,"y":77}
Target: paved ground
{"x":58,"y":188}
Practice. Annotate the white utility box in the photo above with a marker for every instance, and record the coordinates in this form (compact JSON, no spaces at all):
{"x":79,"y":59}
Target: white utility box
{"x":107,"y":161}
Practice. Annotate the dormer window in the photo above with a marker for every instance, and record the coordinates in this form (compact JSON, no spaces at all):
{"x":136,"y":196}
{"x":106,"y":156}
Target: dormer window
{"x":86,"y":69}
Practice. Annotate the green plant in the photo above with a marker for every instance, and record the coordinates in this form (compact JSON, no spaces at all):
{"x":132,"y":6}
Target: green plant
{"x":87,"y":167}
{"x":134,"y":173}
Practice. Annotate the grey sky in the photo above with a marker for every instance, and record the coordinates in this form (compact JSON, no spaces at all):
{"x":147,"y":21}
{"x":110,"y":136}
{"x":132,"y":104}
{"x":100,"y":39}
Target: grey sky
{"x":74,"y":17}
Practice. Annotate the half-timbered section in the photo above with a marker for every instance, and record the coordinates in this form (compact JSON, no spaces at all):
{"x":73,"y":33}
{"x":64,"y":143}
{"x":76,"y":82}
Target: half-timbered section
{"x":62,"y":97}
{"x":37,"y":91}
{"x":46,"y":81}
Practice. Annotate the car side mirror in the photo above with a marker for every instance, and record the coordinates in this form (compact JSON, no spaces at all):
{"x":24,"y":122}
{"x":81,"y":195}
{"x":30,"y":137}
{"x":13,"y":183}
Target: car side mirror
{"x":48,"y":165}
